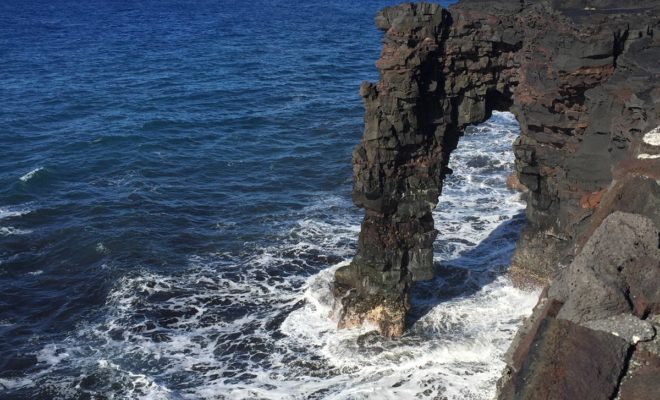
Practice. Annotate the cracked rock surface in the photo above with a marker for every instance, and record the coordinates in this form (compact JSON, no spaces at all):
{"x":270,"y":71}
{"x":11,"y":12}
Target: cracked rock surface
{"x":581,"y":78}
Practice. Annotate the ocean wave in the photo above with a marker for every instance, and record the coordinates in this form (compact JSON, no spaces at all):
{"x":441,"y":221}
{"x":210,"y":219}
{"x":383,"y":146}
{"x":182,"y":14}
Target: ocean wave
{"x":455,"y":351}
{"x":12,"y":212}
{"x":15,"y":383}
{"x":261,"y":325}
{"x":10,"y":230}
{"x":26,"y":177}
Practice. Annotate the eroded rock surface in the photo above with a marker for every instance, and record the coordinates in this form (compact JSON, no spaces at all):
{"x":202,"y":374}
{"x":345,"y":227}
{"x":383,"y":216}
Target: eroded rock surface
{"x":568,"y":361}
{"x":582,"y":79}
{"x":604,"y":343}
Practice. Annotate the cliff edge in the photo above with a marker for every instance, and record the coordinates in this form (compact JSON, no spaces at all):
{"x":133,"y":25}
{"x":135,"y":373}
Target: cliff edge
{"x":582,"y":79}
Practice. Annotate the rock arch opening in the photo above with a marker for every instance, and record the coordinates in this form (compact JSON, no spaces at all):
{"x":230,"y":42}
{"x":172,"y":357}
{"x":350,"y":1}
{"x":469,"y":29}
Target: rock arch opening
{"x":561,"y":68}
{"x":432,"y":86}
{"x":479,"y":218}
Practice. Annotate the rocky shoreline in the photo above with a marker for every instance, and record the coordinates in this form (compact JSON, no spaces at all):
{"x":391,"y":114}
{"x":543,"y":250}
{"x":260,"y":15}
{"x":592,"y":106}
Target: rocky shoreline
{"x":582,"y":79}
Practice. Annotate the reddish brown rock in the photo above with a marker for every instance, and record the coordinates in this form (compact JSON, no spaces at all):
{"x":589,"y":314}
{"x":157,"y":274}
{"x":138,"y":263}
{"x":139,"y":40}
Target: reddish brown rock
{"x":634,"y":190}
{"x":643,"y":381}
{"x":519,"y":350}
{"x":595,"y":285}
{"x":567,"y":361}
{"x":513,"y":183}
{"x":643,"y":280}
{"x":581,"y":78}
{"x":592,"y":200}
{"x":612,"y":287}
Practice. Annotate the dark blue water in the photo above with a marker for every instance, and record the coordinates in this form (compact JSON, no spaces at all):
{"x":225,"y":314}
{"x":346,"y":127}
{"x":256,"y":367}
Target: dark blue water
{"x":172,"y":175}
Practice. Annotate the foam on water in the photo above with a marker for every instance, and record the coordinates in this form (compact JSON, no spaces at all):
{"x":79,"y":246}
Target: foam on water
{"x":13,"y":212}
{"x":26,"y":177}
{"x":10,"y":230}
{"x":259,"y":325}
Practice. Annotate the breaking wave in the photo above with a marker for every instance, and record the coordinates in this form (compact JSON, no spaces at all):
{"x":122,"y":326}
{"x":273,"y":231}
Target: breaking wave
{"x":26,"y":177}
{"x":258,"y":325}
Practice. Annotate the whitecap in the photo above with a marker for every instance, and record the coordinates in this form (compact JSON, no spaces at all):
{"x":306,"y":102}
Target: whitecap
{"x":101,"y":249}
{"x":11,"y":212}
{"x":10,"y":230}
{"x":15,"y":383}
{"x":31,"y":174}
{"x":262,"y":325}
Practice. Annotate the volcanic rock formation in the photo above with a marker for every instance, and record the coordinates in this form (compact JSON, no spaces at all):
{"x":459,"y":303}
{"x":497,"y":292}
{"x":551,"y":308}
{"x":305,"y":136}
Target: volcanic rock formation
{"x":581,"y":78}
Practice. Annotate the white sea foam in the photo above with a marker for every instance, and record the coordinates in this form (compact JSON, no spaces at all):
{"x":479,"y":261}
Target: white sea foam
{"x":5,"y":322}
{"x":10,"y":230}
{"x":31,"y":174}
{"x":15,"y":383}
{"x":101,"y":249}
{"x":51,"y":355}
{"x":12,"y":212}
{"x":260,"y":325}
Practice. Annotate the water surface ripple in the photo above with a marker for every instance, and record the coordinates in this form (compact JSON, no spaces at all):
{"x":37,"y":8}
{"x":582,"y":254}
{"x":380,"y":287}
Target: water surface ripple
{"x":175,"y":194}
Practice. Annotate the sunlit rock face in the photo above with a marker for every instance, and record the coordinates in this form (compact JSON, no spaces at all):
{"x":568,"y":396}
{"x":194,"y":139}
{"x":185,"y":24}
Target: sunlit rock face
{"x":438,"y":75}
{"x":581,"y":78}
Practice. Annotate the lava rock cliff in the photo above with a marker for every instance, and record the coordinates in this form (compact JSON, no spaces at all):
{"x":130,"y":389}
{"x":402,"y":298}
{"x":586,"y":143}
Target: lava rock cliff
{"x":582,"y":79}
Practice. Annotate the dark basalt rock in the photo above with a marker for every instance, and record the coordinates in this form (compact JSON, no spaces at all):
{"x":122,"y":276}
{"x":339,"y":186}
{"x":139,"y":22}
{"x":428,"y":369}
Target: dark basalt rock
{"x":595,"y":285}
{"x":581,"y":78}
{"x":428,"y":93}
{"x":642,"y":381}
{"x":609,"y":292}
{"x":567,"y":361}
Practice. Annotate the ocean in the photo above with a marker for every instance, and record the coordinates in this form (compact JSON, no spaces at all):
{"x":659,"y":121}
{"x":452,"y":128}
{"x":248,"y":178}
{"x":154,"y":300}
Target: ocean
{"x":175,"y":183}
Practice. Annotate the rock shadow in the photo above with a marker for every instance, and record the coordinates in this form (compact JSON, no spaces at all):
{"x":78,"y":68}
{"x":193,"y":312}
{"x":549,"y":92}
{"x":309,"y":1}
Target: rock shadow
{"x":467,"y":274}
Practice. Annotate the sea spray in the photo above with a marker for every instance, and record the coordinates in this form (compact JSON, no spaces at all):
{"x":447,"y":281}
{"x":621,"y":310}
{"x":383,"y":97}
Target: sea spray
{"x":260,"y":325}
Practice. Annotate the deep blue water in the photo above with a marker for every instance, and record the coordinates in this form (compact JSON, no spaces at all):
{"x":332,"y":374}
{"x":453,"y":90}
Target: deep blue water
{"x":163,"y":129}
{"x":168,"y":168}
